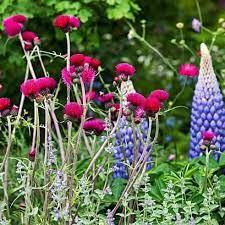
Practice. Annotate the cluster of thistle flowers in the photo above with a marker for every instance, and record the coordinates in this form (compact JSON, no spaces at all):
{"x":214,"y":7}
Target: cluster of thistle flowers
{"x":130,"y":139}
{"x":6,"y":108}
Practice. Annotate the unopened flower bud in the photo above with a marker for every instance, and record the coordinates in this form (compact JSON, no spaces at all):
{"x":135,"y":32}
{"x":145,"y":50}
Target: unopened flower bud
{"x":179,"y":25}
{"x":32,"y":154}
{"x":203,"y":147}
{"x":14,"y":110}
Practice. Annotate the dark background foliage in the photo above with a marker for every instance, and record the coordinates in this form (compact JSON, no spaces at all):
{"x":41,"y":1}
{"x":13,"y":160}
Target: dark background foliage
{"x":103,"y":34}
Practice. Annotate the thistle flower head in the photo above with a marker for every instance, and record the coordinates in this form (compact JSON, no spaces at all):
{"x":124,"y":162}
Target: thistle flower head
{"x":162,"y":95}
{"x":94,"y":125}
{"x":30,"y":39}
{"x":88,"y":76}
{"x":188,"y":70}
{"x":73,"y":111}
{"x":66,"y":22}
{"x":208,"y":135}
{"x":77,"y":59}
{"x":13,"y":25}
{"x":5,"y":103}
{"x":30,"y":88}
{"x":152,"y":105}
{"x":125,"y":69}
{"x":46,"y":83}
{"x":67,"y":76}
{"x":105,"y":98}
{"x":74,"y":22}
{"x":208,"y":112}
{"x":136,"y":100}
{"x":95,"y":63}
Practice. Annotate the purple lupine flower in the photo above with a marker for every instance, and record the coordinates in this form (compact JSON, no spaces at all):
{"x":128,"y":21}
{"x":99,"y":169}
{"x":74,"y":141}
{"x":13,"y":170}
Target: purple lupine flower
{"x":196,"y":25}
{"x":128,"y":142}
{"x":208,"y":112}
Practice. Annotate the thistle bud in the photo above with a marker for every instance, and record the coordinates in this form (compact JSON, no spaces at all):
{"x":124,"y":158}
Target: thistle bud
{"x":32,"y":154}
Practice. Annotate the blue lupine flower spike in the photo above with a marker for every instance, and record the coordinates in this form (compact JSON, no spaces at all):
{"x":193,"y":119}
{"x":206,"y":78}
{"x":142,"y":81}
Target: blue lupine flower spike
{"x":129,"y":140}
{"x":208,"y":112}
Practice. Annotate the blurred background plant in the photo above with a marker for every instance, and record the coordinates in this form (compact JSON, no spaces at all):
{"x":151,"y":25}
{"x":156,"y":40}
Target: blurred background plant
{"x":106,"y":34}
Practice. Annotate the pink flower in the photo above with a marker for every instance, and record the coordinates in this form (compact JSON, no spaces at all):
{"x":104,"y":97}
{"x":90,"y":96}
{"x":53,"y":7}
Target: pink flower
{"x":46,"y":83}
{"x":30,"y":88}
{"x":19,"y":18}
{"x":189,"y":70}
{"x":87,"y":59}
{"x":30,"y":39}
{"x":66,"y":23}
{"x":152,"y":105}
{"x":90,"y":95}
{"x":74,"y":22}
{"x":73,"y":111}
{"x":13,"y":25}
{"x":125,"y":69}
{"x":94,"y":125}
{"x":32,"y":154}
{"x":77,"y":59}
{"x":136,"y":99}
{"x":88,"y":76}
{"x":105,"y":98}
{"x":196,"y":25}
{"x":162,"y":95}
{"x":4,"y":103}
{"x":95,"y":63}
{"x":67,"y":76}
{"x":208,"y":135}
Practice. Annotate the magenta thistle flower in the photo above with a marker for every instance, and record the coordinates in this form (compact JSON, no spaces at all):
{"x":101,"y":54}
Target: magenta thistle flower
{"x":94,"y":125}
{"x":73,"y":111}
{"x":188,"y":70}
{"x":208,"y":135}
{"x":13,"y":25}
{"x":196,"y":25}
{"x":88,"y":76}
{"x":30,"y":39}
{"x":45,"y":83}
{"x":67,"y":76}
{"x":152,"y":105}
{"x":136,"y":100}
{"x":162,"y":95}
{"x":66,"y":22}
{"x":125,"y":69}
{"x":30,"y":88}
{"x":5,"y":103}
{"x":105,"y":98}
{"x":77,"y":59}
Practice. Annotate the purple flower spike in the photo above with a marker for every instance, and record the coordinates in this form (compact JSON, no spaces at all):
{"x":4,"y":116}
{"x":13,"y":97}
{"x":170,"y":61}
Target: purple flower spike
{"x":128,"y":143}
{"x":208,"y":112}
{"x":196,"y":25}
